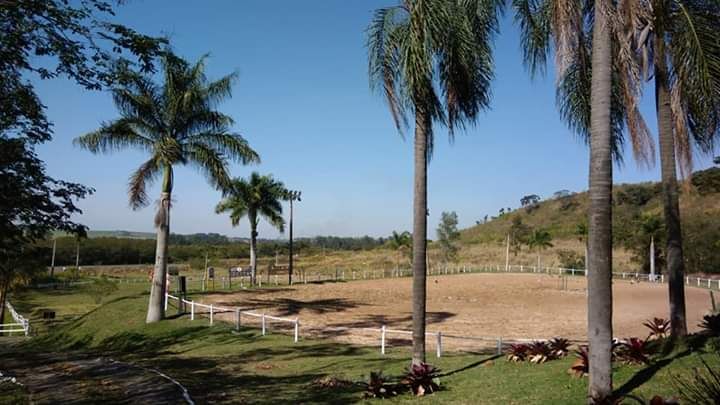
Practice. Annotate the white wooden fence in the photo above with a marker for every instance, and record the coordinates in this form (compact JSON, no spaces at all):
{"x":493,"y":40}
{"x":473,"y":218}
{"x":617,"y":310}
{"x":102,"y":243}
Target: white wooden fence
{"x":212,"y":310}
{"x":20,"y":325}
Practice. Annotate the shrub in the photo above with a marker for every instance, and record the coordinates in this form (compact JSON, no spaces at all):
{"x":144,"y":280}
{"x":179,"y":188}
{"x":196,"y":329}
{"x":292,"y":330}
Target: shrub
{"x":581,"y":365}
{"x":659,"y":328}
{"x":422,"y":379}
{"x":570,"y":259}
{"x":518,"y":352}
{"x":711,"y":324}
{"x":702,"y":388}
{"x":633,"y":351}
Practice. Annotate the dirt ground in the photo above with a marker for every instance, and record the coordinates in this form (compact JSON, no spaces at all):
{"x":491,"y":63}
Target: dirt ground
{"x":511,"y":306}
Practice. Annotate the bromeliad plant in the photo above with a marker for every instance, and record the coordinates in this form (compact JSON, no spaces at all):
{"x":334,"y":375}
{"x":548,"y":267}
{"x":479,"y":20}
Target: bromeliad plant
{"x":540,"y":352}
{"x":659,"y":328}
{"x":633,"y":351}
{"x":518,"y":352}
{"x":711,"y":324}
{"x":422,"y":379}
{"x":581,"y":365}
{"x":560,"y":347}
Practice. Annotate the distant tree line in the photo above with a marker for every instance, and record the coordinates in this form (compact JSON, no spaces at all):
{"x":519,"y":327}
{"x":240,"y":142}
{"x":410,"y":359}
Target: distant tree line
{"x":184,"y":248}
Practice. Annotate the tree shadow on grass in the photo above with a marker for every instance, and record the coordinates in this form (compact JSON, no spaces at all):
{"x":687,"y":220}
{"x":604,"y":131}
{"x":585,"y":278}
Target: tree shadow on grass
{"x":647,"y":373}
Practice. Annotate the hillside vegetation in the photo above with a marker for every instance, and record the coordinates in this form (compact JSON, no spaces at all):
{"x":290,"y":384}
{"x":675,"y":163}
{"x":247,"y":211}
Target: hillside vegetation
{"x":637,"y":215}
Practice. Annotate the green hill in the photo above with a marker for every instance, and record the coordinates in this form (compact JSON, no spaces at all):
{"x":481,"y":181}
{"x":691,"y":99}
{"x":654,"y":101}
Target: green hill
{"x":637,"y":215}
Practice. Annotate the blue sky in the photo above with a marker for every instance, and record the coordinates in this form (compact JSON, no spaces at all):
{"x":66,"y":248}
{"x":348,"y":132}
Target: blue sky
{"x":304,"y":103}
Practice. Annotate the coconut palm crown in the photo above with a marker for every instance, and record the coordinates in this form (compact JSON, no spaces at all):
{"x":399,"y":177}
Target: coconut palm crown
{"x":257,"y":197}
{"x":175,"y":123}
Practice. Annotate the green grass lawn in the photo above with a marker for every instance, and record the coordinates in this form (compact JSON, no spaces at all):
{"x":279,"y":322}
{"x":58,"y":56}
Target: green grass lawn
{"x":217,"y":364}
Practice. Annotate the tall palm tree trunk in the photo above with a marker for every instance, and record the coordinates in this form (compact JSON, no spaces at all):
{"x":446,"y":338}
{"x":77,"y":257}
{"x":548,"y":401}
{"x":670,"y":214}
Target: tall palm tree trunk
{"x":156,"y":304}
{"x":675,"y":262}
{"x":422,"y":122}
{"x":253,"y":255}
{"x":600,"y":232}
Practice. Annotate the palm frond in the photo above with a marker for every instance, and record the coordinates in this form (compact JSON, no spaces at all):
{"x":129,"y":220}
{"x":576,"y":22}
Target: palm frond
{"x":113,"y":136}
{"x":228,"y":144}
{"x":533,"y":17}
{"x":211,"y":163}
{"x":140,"y":180}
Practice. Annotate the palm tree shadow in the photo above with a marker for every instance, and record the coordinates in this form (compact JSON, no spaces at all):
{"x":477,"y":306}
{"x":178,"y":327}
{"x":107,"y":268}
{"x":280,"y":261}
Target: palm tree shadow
{"x":644,"y":375}
{"x":471,"y":365}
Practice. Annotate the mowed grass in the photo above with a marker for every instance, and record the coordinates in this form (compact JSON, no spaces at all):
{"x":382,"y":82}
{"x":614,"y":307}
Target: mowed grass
{"x":217,"y":364}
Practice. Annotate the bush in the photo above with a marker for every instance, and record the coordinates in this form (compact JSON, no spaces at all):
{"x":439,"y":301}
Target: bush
{"x":711,"y":324}
{"x":377,"y":386}
{"x":633,"y":351}
{"x":707,"y":181}
{"x":570,"y":259}
{"x":659,"y":328}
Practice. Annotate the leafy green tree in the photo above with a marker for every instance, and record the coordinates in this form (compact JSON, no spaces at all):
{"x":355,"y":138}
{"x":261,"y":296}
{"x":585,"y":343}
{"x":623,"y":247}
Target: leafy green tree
{"x":519,"y":234}
{"x":401,"y":243}
{"x":681,"y":38}
{"x":259,"y":196}
{"x":76,"y":40}
{"x":539,"y":240}
{"x":448,"y":235}
{"x":434,"y":59}
{"x":176,"y":124}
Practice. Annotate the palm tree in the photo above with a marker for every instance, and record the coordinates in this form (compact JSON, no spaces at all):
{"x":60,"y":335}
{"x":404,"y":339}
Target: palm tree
{"x":258,"y":196}
{"x":589,"y":95}
{"x":434,"y":59}
{"x":176,"y":124}
{"x":678,"y":43}
{"x":540,"y":240}
{"x":401,"y":243}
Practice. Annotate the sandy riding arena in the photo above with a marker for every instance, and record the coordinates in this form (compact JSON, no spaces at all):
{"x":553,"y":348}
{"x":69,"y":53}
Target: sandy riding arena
{"x":511,"y":306}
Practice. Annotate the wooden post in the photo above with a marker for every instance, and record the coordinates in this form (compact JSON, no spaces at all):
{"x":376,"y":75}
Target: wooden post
{"x":382,"y":340}
{"x":297,"y":329}
{"x":439,"y":344}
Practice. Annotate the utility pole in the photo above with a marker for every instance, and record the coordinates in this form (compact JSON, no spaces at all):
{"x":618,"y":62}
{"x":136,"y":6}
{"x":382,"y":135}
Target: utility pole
{"x":291,"y":196}
{"x":652,"y":258}
{"x":52,"y":262}
{"x":507,"y":254}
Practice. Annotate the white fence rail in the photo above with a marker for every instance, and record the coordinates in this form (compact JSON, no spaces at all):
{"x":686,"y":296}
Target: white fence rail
{"x":21,"y":324}
{"x":264,"y":319}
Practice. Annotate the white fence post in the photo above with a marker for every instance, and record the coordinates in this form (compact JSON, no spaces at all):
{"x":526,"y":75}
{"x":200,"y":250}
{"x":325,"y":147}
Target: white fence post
{"x":166,"y":300}
{"x":211,"y":314}
{"x":499,"y":345}
{"x":297,"y":329}
{"x":237,"y":319}
{"x":382,"y":340}
{"x":439,"y":344}
{"x":192,"y":310}
{"x":263,"y":324}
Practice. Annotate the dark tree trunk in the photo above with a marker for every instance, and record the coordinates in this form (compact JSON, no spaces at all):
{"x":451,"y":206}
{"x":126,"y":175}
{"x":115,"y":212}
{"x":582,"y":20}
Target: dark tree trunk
{"x":422,"y":123}
{"x":671,"y":204}
{"x":253,"y":249}
{"x":600,"y":232}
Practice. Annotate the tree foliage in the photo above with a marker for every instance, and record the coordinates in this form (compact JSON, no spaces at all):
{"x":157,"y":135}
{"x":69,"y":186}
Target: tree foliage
{"x":448,"y":235}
